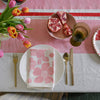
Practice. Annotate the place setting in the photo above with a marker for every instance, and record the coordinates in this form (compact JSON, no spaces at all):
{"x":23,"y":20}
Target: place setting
{"x":32,"y":71}
{"x":42,"y":66}
{"x":42,"y":63}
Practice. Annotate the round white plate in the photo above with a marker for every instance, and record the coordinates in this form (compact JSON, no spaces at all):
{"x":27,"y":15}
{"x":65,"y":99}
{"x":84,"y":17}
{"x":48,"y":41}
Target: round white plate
{"x":59,"y":63}
{"x":96,"y":41}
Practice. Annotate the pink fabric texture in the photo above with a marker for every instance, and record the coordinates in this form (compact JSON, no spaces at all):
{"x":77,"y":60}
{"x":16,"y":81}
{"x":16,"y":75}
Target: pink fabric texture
{"x":39,"y":35}
{"x":59,"y":4}
{"x":41,"y":71}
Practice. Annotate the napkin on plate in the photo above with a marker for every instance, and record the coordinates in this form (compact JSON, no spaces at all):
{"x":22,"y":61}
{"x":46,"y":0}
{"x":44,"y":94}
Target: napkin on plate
{"x":41,"y":70}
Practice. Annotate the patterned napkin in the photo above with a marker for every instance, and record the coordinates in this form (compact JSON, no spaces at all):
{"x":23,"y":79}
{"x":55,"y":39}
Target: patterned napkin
{"x":41,"y":72}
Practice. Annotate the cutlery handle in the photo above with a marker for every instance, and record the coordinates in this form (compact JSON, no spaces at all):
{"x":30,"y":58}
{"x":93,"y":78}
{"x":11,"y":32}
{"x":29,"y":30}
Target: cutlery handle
{"x":15,"y":78}
{"x":66,"y":72}
{"x":72,"y":75}
{"x":71,"y":64}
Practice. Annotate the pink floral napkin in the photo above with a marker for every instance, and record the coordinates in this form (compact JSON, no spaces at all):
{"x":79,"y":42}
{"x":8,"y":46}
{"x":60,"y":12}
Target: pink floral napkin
{"x":41,"y":68}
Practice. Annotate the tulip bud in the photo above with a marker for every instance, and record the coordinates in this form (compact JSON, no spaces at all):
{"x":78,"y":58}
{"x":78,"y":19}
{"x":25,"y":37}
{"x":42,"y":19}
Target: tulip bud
{"x":12,"y":3}
{"x":20,"y":27}
{"x":25,"y":31}
{"x":11,"y":30}
{"x":25,"y":10}
{"x":14,"y":35}
{"x":16,"y":12}
{"x":20,"y":36}
{"x":27,"y":20}
{"x":26,"y":43}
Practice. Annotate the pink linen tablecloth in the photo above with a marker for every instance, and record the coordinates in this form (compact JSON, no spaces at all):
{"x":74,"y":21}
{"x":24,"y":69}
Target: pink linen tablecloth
{"x":39,"y":35}
{"x":60,"y":4}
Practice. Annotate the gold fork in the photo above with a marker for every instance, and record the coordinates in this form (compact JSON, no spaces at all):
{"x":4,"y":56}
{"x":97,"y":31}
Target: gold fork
{"x":15,"y":60}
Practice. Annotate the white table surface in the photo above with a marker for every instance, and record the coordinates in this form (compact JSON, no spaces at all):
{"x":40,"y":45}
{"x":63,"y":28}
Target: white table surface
{"x":86,"y":75}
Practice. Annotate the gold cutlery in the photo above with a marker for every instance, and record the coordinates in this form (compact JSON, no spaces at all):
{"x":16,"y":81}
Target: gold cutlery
{"x":15,"y":60}
{"x":71,"y":65}
{"x":65,"y":56}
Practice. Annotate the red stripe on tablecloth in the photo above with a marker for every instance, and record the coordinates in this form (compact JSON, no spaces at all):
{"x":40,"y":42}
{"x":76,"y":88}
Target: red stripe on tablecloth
{"x":48,"y":14}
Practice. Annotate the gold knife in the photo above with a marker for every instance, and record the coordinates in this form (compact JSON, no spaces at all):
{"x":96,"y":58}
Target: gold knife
{"x":15,"y":60}
{"x":71,"y":65}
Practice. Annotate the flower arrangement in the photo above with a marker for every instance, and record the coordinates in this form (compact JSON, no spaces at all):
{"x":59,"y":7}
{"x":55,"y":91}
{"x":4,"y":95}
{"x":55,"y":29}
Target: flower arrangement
{"x":13,"y":27}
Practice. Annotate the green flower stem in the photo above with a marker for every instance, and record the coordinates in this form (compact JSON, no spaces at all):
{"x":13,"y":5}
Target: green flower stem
{"x":8,"y":2}
{"x":6,"y":9}
{"x":28,"y":28}
{"x":11,"y":17}
{"x":3,"y":28}
{"x":11,"y":20}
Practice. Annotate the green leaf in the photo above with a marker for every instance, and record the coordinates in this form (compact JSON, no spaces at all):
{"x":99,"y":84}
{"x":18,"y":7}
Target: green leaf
{"x":28,"y":28}
{"x":16,"y":22}
{"x":13,"y":19}
{"x":5,"y":35}
{"x":11,"y":24}
{"x":23,"y":24}
{"x":26,"y":36}
{"x":4,"y":12}
{"x":8,"y":14}
{"x":3,"y":30}
{"x":3,"y":25}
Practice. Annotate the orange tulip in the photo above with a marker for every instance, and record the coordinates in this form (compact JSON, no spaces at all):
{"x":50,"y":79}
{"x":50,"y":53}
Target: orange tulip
{"x":25,"y":10}
{"x":16,"y":12}
{"x":14,"y":35}
{"x":26,"y":43}
{"x":12,"y":32}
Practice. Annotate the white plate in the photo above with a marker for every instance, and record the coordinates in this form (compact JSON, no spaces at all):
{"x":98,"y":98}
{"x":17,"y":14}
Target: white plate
{"x":59,"y":63}
{"x":96,"y":42}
